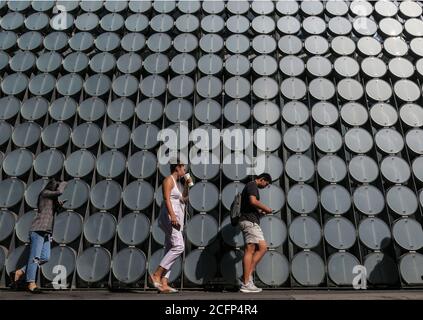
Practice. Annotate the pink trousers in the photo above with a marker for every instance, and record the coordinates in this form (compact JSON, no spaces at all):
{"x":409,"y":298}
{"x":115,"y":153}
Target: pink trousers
{"x":174,"y":240}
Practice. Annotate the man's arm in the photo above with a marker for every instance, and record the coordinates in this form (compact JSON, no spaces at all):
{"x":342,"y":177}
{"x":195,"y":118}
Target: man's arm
{"x":260,"y":206}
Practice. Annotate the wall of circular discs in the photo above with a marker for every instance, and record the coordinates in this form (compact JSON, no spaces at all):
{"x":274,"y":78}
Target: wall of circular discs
{"x":87,"y":85}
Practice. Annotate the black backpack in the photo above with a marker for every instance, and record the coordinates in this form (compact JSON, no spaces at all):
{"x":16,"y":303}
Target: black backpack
{"x":236,"y":209}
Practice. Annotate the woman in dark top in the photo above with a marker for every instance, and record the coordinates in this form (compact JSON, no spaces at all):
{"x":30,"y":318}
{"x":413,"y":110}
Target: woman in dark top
{"x":40,"y":233}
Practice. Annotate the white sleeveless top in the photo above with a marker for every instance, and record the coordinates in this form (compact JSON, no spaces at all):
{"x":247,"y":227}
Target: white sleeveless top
{"x":177,"y":204}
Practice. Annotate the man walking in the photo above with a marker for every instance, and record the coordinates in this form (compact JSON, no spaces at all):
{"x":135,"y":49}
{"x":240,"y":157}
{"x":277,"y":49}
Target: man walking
{"x":249,"y":222}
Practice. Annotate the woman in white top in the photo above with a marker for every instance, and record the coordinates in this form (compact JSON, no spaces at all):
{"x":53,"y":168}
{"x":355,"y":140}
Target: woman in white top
{"x":171,"y":220}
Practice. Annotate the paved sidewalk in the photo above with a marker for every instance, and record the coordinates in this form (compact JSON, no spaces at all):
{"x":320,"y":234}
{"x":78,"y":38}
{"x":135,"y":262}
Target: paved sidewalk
{"x":201,"y":295}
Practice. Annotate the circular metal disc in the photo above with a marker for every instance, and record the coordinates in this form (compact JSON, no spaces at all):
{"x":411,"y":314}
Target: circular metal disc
{"x":129,"y":265}
{"x":413,"y":140}
{"x":332,"y":168}
{"x":17,"y":259}
{"x":295,"y":113}
{"x":138,"y":195}
{"x":116,"y":136}
{"x":384,"y":114}
{"x":231,"y":235}
{"x":11,"y":192}
{"x":149,"y":110}
{"x":273,"y":269}
{"x":179,"y":110}
{"x":411,"y":268}
{"x":358,"y":140}
{"x":305,"y":232}
{"x":412,"y":114}
{"x":328,"y":140}
{"x":60,"y":255}
{"x":63,"y":109}
{"x":402,"y":200}
{"x":319,"y":66}
{"x":67,"y":227}
{"x":145,"y":136}
{"x":17,"y":162}
{"x":368,"y":46}
{"x":288,"y":25}
{"x":231,"y":266}
{"x":208,"y":111}
{"x":202,"y":230}
{"x":111,"y":164}
{"x":274,"y":230}
{"x":311,"y":276}
{"x":106,"y":194}
{"x":290,"y":44}
{"x":271,"y":164}
{"x":354,"y":114}
{"x":133,"y":229}
{"x":229,"y":192}
{"x":297,"y":139}
{"x":48,"y":163}
{"x":369,"y":200}
{"x":236,"y":87}
{"x":342,"y":45}
{"x":86,"y":135}
{"x":417,"y":168}
{"x":26,"y":134}
{"x":335,"y":199}
{"x":302,"y":198}
{"x":23,"y":226}
{"x":237,"y":111}
{"x":100,"y":228}
{"x":8,"y":221}
{"x":292,"y":66}
{"x":76,"y":194}
{"x":267,"y":139}
{"x":324,"y":113}
{"x":395,"y":169}
{"x":273,"y":197}
{"x":408,"y":234}
{"x":340,"y":233}
{"x":373,"y":67}
{"x":293,"y":88}
{"x":200,"y":266}
{"x":389,"y":141}
{"x":378,"y":90}
{"x":142,"y":164}
{"x":33,"y":191}
{"x":381,"y":269}
{"x":350,"y":89}
{"x":363,"y":169}
{"x":204,"y":196}
{"x":340,"y":268}
{"x":93,"y":264}
{"x":346,"y":67}
{"x":299,"y":168}
{"x":321,"y":89}
{"x":374,"y":233}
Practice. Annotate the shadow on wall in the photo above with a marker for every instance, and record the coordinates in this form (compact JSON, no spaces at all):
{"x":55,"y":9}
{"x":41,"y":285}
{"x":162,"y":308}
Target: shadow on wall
{"x":385,"y":271}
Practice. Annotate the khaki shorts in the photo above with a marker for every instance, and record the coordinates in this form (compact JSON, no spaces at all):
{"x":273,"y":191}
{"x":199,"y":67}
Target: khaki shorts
{"x":252,"y":231}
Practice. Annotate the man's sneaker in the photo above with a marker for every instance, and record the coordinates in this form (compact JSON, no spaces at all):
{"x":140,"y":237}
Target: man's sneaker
{"x":249,"y":288}
{"x":255,"y":287}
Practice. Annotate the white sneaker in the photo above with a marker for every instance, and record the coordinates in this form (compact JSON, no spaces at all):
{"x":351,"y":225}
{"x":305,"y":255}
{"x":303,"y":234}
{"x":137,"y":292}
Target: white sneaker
{"x":251,"y":283}
{"x":249,"y":288}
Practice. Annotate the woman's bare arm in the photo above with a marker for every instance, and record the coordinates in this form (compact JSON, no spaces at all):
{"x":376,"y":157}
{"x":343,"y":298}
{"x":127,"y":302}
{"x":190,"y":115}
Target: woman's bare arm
{"x":167,"y":188}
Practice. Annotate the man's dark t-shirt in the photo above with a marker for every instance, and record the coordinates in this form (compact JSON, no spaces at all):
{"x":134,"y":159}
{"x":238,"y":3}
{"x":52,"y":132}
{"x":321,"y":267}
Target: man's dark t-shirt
{"x":248,"y":211}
